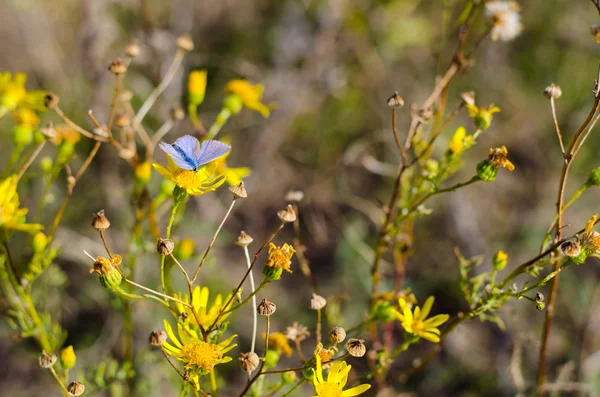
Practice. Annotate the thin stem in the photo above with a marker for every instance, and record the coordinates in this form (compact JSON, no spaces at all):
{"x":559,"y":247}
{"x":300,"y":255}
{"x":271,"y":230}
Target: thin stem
{"x":158,"y":135}
{"x":168,"y":235}
{"x":590,"y":128}
{"x":213,"y":384}
{"x":560,"y":140}
{"x":454,"y":67}
{"x":159,"y":89}
{"x":252,"y":295}
{"x":396,"y":137}
{"x":187,"y":278}
{"x":31,"y":158}
{"x":254,"y":313}
{"x":103,"y":237}
{"x":11,"y":263}
{"x":297,"y":385}
{"x":90,"y":114}
{"x":113,"y":107}
{"x":183,"y":376}
{"x":300,"y":252}
{"x":213,"y":241}
{"x":77,"y":128}
{"x":59,"y":381}
{"x":318,"y":329}
{"x":155,"y":292}
{"x":262,"y":364}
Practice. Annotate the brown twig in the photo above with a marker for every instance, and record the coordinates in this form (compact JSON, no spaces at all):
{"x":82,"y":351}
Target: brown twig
{"x":560,"y":140}
{"x":31,"y":158}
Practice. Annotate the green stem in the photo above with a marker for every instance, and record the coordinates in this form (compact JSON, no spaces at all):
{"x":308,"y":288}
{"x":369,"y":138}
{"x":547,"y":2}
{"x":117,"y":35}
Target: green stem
{"x":213,"y":384}
{"x":220,"y":121}
{"x":242,"y":303}
{"x":14,"y":157}
{"x":543,"y":282}
{"x":297,"y":385}
{"x":168,"y":235}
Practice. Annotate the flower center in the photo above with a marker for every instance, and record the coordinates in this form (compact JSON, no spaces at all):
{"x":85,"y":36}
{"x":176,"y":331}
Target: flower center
{"x":201,"y":354}
{"x":186,"y":179}
{"x":329,"y":390}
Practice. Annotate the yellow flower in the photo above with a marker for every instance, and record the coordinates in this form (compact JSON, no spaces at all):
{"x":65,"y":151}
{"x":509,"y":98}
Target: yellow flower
{"x":483,"y":117}
{"x":205,"y":180}
{"x":280,"y":257}
{"x":278,"y":342}
{"x":64,"y":133}
{"x":13,"y":94}
{"x":233,"y":175}
{"x":416,"y":322}
{"x":68,"y":357}
{"x":197,"y":87}
{"x":198,"y":356}
{"x":249,"y":94}
{"x":11,"y":216}
{"x":498,"y":158}
{"x":336,"y":380}
{"x":324,"y":355}
{"x":590,"y":239}
{"x":460,"y":141}
{"x":206,"y":315}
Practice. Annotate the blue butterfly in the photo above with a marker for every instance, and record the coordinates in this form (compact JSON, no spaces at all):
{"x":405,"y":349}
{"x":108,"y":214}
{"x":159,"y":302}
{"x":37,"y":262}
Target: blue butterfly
{"x":187,"y":153}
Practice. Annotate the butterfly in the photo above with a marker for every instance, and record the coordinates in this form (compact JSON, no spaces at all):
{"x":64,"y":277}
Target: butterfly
{"x":187,"y":152}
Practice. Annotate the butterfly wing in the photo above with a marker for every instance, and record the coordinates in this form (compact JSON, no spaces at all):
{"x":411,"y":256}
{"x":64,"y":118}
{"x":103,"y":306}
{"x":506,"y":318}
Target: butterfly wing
{"x":210,"y":151}
{"x":183,"y":151}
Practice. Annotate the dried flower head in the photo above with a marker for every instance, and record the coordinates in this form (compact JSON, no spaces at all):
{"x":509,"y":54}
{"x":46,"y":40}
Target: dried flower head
{"x":425,"y":115}
{"x":498,"y":157}
{"x":185,"y":43}
{"x":297,"y":332}
{"x":117,"y":67}
{"x":165,"y":246}
{"x":266,"y":308}
{"x":595,"y":31}
{"x":356,"y":347}
{"x":132,"y":49}
{"x":157,"y":337}
{"x":468,"y":98}
{"x":294,"y":195}
{"x":75,"y":389}
{"x":287,"y":214}
{"x":51,"y":100}
{"x":244,"y":239}
{"x":325,"y":354}
{"x":47,"y":360}
{"x":49,"y":131}
{"x":337,"y":335}
{"x":110,"y":276}
{"x":552,"y":91}
{"x":249,"y":361}
{"x":279,"y":259}
{"x":590,"y":241}
{"x":395,"y":101}
{"x":238,"y":191}
{"x":571,"y":248}
{"x":100,"y":222}
{"x":317,"y":302}
{"x":539,"y":297}
{"x":505,"y":18}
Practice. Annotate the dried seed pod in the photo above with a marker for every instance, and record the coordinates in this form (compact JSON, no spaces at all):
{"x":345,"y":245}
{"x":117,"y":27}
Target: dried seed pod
{"x":238,"y":191}
{"x":337,"y":334}
{"x":165,"y":246}
{"x":356,"y":347}
{"x":266,"y":308}
{"x":287,"y":215}
{"x":249,"y":361}
{"x":552,"y":91}
{"x":51,"y":100}
{"x":317,"y":302}
{"x":75,"y":389}
{"x":468,"y":98}
{"x":244,"y":239}
{"x":100,"y":222}
{"x":158,"y":337}
{"x":395,"y":101}
{"x":185,"y":43}
{"x":47,"y":360}
{"x":117,"y":67}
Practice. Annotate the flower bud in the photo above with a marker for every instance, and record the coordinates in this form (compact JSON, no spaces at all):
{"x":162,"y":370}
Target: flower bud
{"x":75,"y":389}
{"x":540,"y":305}
{"x":317,"y":302}
{"x":287,"y":214}
{"x":356,"y":347}
{"x":499,"y":260}
{"x":249,"y":361}
{"x":46,"y":164}
{"x":238,"y":191}
{"x":395,"y":101}
{"x":68,"y":357}
{"x":288,"y":377}
{"x":266,"y":308}
{"x":272,"y":273}
{"x":272,"y":358}
{"x":196,"y":87}
{"x":337,"y":335}
{"x":552,"y":91}
{"x":244,"y":239}
{"x":233,"y":103}
{"x":117,"y":67}
{"x":22,"y":134}
{"x":157,"y":337}
{"x":51,"y":100}
{"x":185,"y":43}
{"x":165,"y":246}
{"x":100,"y":222}
{"x":486,"y":171}
{"x":143,"y":173}
{"x":40,"y":241}
{"x":180,"y":194}
{"x":47,"y":360}
{"x":594,"y":178}
{"x":384,"y":312}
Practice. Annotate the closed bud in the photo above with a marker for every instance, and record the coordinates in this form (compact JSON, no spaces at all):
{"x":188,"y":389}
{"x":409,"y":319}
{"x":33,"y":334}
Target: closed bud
{"x":594,"y":178}
{"x":244,"y":239}
{"x":238,"y":191}
{"x":100,"y":222}
{"x":356,"y":347}
{"x":486,"y":171}
{"x":287,"y":215}
{"x":266,"y":308}
{"x":180,"y":194}
{"x":233,"y":103}
{"x":552,"y":91}
{"x":185,"y":43}
{"x":383,"y":311}
{"x":40,"y":241}
{"x":75,"y":389}
{"x":47,"y":360}
{"x":132,"y":49}
{"x":165,"y":246}
{"x":68,"y":357}
{"x":272,"y":273}
{"x":51,"y":100}
{"x":117,"y":67}
{"x":499,"y":260}
{"x":157,"y":337}
{"x":288,"y":377}
{"x":143,"y":173}
{"x":317,"y":302}
{"x":395,"y":101}
{"x":337,"y":335}
{"x":272,"y":358}
{"x":249,"y":361}
{"x":46,"y":164}
{"x":540,"y":306}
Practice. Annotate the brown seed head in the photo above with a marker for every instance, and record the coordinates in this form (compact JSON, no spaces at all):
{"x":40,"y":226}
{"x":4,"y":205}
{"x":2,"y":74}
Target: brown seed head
{"x":356,"y":347}
{"x":571,"y":248}
{"x":539,"y":297}
{"x":165,"y":246}
{"x":395,"y":101}
{"x":552,"y":91}
{"x":122,"y":120}
{"x":185,"y":43}
{"x":100,"y":222}
{"x":49,"y":131}
{"x":468,"y":98}
{"x":287,"y":214}
{"x":51,"y":100}
{"x":337,"y":334}
{"x":47,"y":360}
{"x":132,"y":49}
{"x":297,"y":332}
{"x":244,"y":239}
{"x":157,"y":337}
{"x":238,"y":191}
{"x":317,"y":302}
{"x":75,"y":389}
{"x":177,"y":113}
{"x":117,"y":67}
{"x":266,"y":308}
{"x":249,"y":361}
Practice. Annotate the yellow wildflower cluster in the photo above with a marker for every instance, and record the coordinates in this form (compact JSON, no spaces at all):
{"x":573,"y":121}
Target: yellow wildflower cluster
{"x":416,"y":323}
{"x":250,"y":95}
{"x":11,"y":216}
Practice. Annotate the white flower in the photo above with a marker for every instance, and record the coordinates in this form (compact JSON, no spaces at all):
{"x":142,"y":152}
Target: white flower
{"x":505,"y":17}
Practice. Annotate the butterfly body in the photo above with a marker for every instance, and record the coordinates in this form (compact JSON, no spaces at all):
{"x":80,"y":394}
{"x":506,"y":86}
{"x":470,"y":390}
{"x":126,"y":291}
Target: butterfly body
{"x":187,"y":152}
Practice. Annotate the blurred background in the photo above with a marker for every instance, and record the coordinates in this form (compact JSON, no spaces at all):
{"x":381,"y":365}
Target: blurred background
{"x":330,"y":67}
